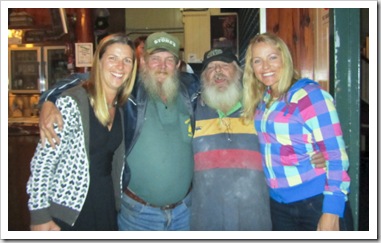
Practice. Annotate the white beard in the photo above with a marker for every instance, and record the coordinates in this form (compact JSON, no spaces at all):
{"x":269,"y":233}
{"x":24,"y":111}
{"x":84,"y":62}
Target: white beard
{"x":222,"y":100}
{"x":169,"y":89}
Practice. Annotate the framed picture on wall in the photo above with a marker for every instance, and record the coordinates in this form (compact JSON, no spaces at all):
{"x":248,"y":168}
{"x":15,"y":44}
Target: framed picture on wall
{"x":83,"y":54}
{"x":224,"y":31}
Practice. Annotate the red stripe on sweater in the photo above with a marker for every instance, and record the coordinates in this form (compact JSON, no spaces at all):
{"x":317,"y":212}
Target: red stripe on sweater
{"x":242,"y":159}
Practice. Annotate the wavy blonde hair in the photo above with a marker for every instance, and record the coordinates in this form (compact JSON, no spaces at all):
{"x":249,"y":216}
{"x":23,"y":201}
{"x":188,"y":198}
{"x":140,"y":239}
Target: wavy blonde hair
{"x":94,"y":84}
{"x":254,"y":89}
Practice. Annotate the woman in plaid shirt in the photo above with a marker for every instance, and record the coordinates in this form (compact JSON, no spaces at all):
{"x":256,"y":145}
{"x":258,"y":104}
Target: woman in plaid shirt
{"x":295,"y":118}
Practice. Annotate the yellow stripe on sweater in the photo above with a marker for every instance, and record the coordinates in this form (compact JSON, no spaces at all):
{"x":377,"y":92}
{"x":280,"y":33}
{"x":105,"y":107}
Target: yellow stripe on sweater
{"x":224,"y":125}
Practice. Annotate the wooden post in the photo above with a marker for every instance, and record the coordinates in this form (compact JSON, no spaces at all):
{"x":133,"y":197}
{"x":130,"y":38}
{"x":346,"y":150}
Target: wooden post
{"x":84,"y":30}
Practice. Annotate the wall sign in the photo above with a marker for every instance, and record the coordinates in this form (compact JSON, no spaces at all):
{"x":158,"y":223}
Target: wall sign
{"x":83,"y":54}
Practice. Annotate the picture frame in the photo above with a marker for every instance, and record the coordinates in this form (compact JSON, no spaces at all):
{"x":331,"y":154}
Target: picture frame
{"x":83,"y":54}
{"x":224,"y":31}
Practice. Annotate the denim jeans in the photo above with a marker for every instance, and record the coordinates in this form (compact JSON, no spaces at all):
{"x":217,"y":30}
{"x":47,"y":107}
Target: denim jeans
{"x":304,"y":215}
{"x":135,"y":216}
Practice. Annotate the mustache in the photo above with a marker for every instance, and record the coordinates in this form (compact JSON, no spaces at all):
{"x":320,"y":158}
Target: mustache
{"x":161,"y":72}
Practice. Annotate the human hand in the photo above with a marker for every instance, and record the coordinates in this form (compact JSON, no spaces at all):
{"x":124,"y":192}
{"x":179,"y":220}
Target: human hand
{"x":49,"y":226}
{"x":328,"y":222}
{"x":318,"y":160}
{"x":49,"y":116}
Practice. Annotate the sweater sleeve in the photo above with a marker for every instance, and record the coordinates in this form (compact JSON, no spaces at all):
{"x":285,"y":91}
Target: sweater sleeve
{"x":44,"y":166}
{"x":62,"y":85}
{"x":319,"y":113}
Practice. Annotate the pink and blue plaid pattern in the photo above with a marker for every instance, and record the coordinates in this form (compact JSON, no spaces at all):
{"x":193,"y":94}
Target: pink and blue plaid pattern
{"x":290,"y":132}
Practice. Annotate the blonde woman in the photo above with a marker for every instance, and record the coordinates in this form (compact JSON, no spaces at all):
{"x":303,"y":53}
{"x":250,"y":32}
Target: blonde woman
{"x":295,"y":118}
{"x":76,"y":185}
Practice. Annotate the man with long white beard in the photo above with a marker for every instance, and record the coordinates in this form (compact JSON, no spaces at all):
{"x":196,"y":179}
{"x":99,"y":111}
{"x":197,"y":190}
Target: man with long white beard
{"x":229,"y":189}
{"x":158,"y":134}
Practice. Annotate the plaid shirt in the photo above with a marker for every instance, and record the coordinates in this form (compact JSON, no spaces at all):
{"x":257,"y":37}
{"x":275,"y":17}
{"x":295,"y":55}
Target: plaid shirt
{"x":290,"y":131}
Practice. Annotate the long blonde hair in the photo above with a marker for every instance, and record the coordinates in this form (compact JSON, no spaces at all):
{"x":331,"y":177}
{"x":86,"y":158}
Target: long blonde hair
{"x":94,"y":84}
{"x":254,"y":89}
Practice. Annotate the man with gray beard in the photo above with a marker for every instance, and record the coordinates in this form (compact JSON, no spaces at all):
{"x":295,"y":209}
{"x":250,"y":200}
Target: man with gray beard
{"x":158,"y":134}
{"x":160,"y":155}
{"x":229,"y":189}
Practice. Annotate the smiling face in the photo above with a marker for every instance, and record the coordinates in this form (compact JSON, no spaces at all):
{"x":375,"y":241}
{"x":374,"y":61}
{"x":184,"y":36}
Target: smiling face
{"x":221,"y":85}
{"x":267,"y":64}
{"x":160,"y":75}
{"x":117,"y":64}
{"x":219,"y":74}
{"x":162,"y":65}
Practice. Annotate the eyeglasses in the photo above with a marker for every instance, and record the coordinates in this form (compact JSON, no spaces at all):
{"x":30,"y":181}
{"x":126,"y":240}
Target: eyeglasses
{"x":225,"y":122}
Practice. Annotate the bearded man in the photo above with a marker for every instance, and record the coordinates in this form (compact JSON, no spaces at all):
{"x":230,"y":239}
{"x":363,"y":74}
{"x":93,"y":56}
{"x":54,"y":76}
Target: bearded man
{"x":158,"y":134}
{"x":160,"y":154}
{"x":229,"y":189}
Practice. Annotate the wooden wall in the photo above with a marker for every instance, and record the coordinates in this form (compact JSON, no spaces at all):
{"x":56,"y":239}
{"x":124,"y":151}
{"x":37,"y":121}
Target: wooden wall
{"x":18,"y":175}
{"x":42,"y":20}
{"x":41,"y":16}
{"x":295,"y":27}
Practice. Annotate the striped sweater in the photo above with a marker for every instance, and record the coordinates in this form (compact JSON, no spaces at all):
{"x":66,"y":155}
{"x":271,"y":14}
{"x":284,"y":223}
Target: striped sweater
{"x":290,"y":131}
{"x":229,"y":189}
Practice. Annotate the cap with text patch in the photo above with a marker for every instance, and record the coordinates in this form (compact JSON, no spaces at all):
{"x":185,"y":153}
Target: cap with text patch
{"x":219,"y":54}
{"x":162,"y":40}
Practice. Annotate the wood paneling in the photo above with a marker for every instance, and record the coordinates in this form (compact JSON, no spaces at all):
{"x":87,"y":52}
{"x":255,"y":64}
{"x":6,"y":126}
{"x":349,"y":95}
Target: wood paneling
{"x":294,"y":26}
{"x":41,"y":16}
{"x":321,"y":60}
{"x":20,"y":153}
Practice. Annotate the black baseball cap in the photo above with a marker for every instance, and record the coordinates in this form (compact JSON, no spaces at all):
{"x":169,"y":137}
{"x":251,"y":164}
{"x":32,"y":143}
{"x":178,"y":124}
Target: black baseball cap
{"x":219,"y":54}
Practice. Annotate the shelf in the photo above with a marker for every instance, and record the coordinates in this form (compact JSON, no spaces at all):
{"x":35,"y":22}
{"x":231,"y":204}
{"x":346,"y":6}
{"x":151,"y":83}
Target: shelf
{"x":24,"y":91}
{"x":26,"y":62}
{"x":30,"y":27}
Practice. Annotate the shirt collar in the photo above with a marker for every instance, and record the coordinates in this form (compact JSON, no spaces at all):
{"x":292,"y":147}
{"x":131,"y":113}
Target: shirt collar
{"x":235,"y":108}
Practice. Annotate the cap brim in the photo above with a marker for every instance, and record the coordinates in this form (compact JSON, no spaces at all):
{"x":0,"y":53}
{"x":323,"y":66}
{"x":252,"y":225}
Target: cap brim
{"x":161,"y":49}
{"x":218,"y":58}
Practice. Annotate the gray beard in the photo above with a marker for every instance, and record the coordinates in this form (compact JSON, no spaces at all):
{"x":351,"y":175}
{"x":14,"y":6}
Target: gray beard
{"x":222,"y":100}
{"x":169,"y":89}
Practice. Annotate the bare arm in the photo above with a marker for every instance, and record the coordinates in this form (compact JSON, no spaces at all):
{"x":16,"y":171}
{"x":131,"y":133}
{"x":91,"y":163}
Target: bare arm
{"x":49,"y":226}
{"x":50,"y":115}
{"x":328,"y":222}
